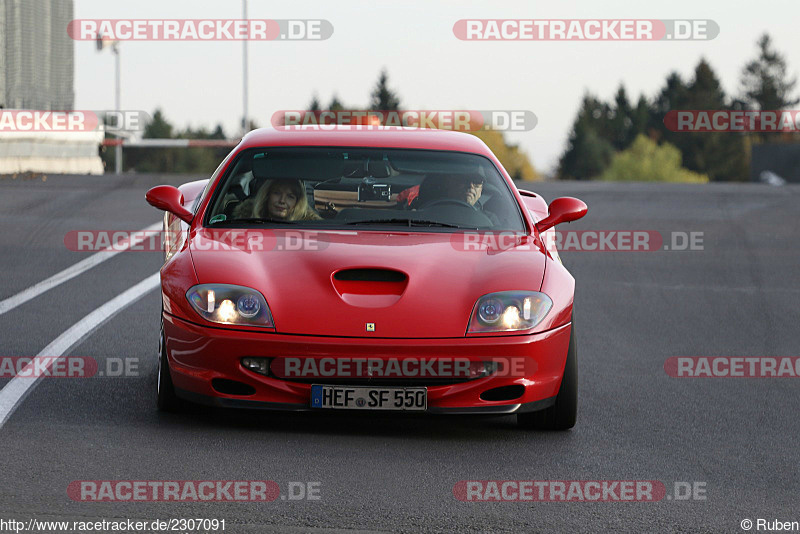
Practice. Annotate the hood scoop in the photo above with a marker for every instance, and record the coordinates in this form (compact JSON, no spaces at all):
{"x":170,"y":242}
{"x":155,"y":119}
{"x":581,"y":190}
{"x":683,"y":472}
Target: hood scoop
{"x":370,"y":287}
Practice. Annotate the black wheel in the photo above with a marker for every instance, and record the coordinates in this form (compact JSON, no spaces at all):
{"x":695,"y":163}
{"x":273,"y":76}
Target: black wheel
{"x":562,"y":415}
{"x":166,"y":400}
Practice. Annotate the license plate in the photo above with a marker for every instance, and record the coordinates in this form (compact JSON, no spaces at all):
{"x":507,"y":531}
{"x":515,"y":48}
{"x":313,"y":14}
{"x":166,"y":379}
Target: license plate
{"x":368,"y":398}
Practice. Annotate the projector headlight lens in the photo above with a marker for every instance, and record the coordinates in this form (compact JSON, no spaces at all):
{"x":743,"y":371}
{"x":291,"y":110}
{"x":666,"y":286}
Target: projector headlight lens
{"x":248,"y":306}
{"x":490,"y":311}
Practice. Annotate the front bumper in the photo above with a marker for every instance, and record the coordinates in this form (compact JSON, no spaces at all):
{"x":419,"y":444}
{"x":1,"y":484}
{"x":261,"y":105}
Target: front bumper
{"x":198,"y":355}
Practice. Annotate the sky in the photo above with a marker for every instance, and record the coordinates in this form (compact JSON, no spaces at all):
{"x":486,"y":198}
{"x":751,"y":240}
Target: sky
{"x":200,"y":83}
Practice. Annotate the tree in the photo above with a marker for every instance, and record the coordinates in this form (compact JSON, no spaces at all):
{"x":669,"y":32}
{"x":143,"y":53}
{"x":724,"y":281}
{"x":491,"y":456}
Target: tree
{"x":158,"y":127}
{"x":314,"y":105}
{"x":587,"y":157}
{"x":720,"y":155}
{"x":765,"y":83}
{"x":646,"y":161}
{"x":672,"y":96}
{"x":153,"y":159}
{"x":218,"y":133}
{"x":588,"y":150}
{"x":198,"y":160}
{"x":641,"y":117}
{"x":195,"y":160}
{"x":705,"y":91}
{"x":621,"y":121}
{"x":383,"y":98}
{"x":335,"y":104}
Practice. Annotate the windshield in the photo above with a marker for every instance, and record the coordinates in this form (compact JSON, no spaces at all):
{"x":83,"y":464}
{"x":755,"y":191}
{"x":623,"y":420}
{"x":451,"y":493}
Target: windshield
{"x":335,"y":187}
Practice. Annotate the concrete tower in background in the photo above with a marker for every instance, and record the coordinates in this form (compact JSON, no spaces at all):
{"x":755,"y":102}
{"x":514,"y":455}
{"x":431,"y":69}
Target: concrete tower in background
{"x":37,"y":58}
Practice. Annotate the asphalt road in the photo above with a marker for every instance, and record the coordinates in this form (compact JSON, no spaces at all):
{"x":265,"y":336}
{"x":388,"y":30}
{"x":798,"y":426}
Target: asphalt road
{"x":737,"y":436}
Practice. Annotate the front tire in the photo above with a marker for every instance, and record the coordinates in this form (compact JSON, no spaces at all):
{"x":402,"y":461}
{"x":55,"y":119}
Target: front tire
{"x":166,"y":400}
{"x":562,"y":415}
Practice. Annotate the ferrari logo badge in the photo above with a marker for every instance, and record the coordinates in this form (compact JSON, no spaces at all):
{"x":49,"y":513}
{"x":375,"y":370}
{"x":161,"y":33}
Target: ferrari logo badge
{"x":370,"y":327}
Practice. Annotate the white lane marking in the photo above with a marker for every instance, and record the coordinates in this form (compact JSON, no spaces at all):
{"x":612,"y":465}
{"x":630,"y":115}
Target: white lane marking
{"x":71,"y":272}
{"x":12,"y":395}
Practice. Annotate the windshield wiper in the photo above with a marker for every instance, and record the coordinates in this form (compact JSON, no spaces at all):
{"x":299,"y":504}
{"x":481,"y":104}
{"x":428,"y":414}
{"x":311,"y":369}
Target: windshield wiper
{"x":406,"y":222}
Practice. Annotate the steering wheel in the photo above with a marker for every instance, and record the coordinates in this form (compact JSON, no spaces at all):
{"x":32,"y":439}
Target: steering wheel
{"x":452,"y":201}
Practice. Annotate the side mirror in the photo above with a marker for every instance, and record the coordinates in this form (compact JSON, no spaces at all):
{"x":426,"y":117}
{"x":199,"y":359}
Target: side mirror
{"x":169,"y":198}
{"x":564,"y":209}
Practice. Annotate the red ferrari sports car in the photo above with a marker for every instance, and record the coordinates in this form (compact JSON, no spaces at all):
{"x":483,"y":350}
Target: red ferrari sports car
{"x":366,"y":268}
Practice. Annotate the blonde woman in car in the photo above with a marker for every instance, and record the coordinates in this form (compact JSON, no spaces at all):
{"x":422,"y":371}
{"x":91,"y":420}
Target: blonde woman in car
{"x":283,"y":199}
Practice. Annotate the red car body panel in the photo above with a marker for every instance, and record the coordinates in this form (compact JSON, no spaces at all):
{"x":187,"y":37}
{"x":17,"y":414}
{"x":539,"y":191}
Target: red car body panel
{"x":443,"y":283}
{"x":199,"y":355}
{"x":191,"y":191}
{"x":317,"y":316}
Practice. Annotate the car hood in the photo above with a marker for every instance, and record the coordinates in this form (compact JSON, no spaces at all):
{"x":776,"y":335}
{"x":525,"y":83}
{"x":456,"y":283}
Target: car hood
{"x":408,"y":285}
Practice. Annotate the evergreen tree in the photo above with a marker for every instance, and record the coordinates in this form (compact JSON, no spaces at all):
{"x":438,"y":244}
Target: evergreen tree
{"x":720,"y":155}
{"x":158,"y":127}
{"x":672,"y":96}
{"x":765,"y":83}
{"x":335,"y":104}
{"x":641,"y":117}
{"x":154,"y":159}
{"x":588,"y":150}
{"x":383,"y":98}
{"x":705,"y":91}
{"x":621,"y":122}
{"x":218,"y":133}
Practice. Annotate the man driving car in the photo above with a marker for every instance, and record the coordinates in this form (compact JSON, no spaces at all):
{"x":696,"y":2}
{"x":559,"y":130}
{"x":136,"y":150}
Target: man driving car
{"x":467,"y":189}
{"x":463,"y":188}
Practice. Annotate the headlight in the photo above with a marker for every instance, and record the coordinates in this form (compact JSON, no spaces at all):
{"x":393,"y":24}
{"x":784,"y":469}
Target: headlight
{"x":227,"y":304}
{"x":508,"y":311}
